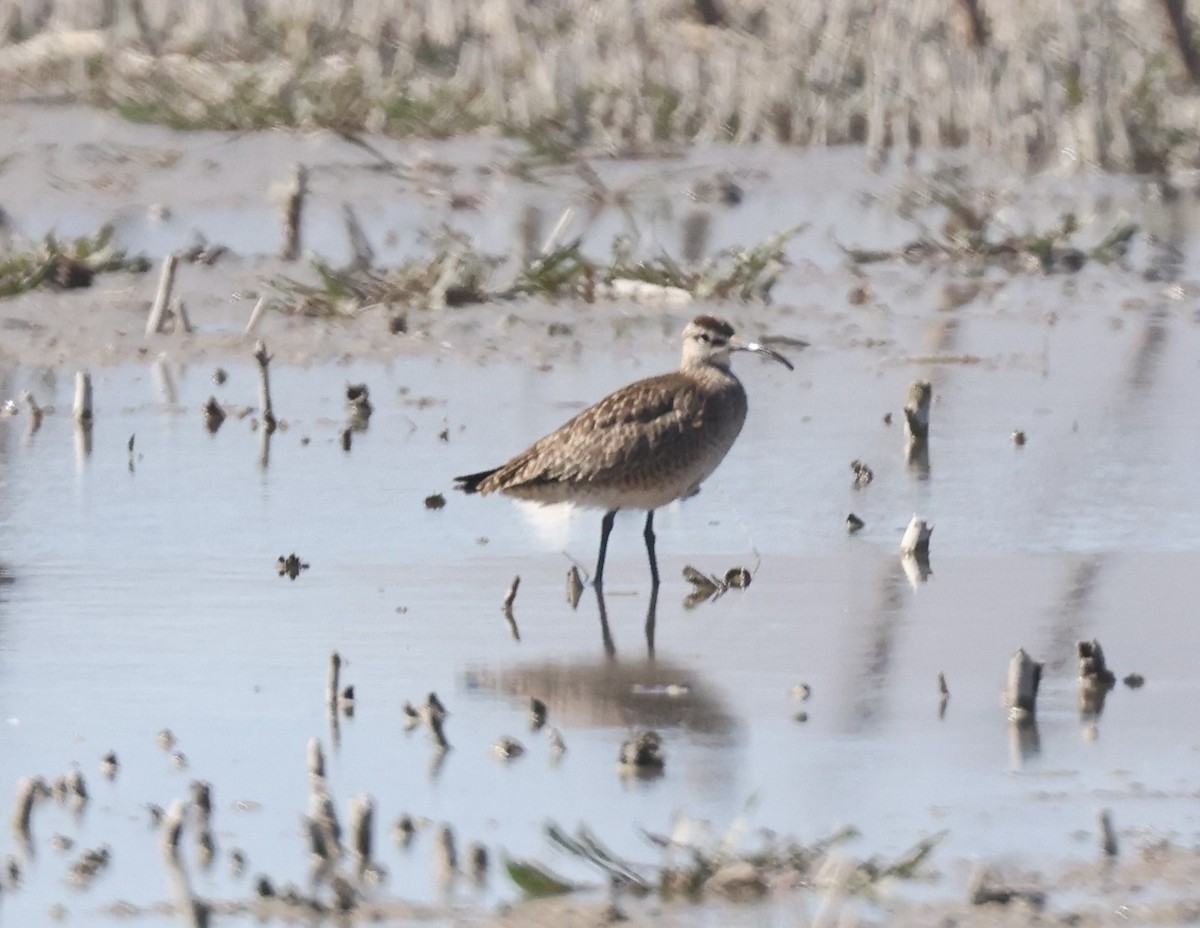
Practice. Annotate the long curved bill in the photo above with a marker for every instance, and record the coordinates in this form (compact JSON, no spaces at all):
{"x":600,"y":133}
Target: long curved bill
{"x":756,"y":348}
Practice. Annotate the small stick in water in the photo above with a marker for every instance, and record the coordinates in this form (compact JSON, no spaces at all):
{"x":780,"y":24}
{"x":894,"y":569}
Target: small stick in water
{"x":82,"y":408}
{"x":172,"y":829}
{"x":35,"y":411}
{"x":293,"y":213}
{"x":29,"y":791}
{"x":1108,"y":837}
{"x":477,"y":861}
{"x":509,"y":599}
{"x":916,"y":411}
{"x":264,"y":386}
{"x":944,"y":694}
{"x":1020,"y":693}
{"x":445,"y":858}
{"x":331,"y":681}
{"x":316,"y":758}
{"x":166,"y":280}
{"x":362,"y":814}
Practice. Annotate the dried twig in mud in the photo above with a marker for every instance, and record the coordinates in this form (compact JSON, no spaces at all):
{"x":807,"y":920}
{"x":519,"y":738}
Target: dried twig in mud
{"x":364,"y":256}
{"x":255,"y":315}
{"x":293,"y":210}
{"x":162,"y":296}
{"x":1020,"y":691}
{"x":1095,"y":679}
{"x":264,"y":387}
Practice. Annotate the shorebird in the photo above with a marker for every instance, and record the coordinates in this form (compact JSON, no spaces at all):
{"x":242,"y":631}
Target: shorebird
{"x":641,"y":447}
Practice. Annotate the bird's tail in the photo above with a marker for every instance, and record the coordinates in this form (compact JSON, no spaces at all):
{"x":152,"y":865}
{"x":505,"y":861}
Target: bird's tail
{"x":469,"y":483}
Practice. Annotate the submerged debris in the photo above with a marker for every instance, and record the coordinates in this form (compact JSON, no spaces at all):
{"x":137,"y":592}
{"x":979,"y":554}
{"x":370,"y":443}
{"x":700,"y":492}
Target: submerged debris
{"x":916,"y":413}
{"x":643,"y":755}
{"x":507,"y":748}
{"x":709,"y":586}
{"x":862,"y":473}
{"x":435,"y":501}
{"x":88,"y":865}
{"x":854,"y":523}
{"x":404,"y":830}
{"x":290,"y":566}
{"x":574,"y":586}
{"x":1020,"y":692}
{"x":537,"y":714}
{"x":214,"y":415}
{"x":359,"y":400}
{"x":916,"y":537}
{"x":1018,"y":437}
{"x":1095,"y":679}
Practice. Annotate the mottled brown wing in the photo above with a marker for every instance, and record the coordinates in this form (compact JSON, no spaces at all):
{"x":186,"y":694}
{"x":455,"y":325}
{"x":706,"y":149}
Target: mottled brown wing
{"x":640,"y":430}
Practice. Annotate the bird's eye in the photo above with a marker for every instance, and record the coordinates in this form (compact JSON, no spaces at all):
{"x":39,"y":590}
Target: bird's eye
{"x":703,"y":336}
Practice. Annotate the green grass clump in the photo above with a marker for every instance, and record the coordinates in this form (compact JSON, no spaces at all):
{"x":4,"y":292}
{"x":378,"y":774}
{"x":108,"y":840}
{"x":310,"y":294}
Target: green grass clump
{"x":64,"y":265}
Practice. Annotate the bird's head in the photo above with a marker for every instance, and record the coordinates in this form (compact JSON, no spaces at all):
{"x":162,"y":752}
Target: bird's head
{"x":710,"y":340}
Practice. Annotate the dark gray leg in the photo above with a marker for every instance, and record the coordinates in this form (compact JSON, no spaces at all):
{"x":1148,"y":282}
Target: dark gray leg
{"x":648,"y":534}
{"x":606,"y":525}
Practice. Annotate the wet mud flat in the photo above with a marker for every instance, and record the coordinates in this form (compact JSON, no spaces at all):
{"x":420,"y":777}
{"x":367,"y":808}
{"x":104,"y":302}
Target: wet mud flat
{"x":141,"y":594}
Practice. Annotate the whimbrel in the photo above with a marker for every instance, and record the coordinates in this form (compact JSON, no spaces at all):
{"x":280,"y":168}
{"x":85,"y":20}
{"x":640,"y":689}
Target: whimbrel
{"x":641,"y":447}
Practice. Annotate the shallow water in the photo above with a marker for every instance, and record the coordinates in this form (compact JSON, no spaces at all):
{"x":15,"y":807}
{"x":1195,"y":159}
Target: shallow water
{"x":143,"y":595}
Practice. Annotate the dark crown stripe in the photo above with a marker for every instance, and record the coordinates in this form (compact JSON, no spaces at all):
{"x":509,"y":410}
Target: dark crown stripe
{"x":715,"y":325}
